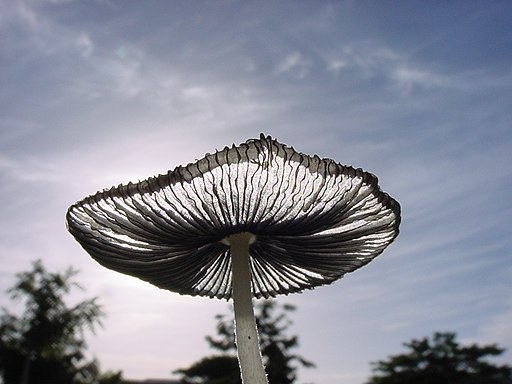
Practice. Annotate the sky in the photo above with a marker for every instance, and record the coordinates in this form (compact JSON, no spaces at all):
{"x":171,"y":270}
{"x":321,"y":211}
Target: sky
{"x":98,"y":93}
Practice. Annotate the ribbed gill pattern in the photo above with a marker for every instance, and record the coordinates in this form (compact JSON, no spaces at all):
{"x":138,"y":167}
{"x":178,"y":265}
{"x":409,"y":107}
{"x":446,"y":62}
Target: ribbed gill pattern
{"x":314,"y":219}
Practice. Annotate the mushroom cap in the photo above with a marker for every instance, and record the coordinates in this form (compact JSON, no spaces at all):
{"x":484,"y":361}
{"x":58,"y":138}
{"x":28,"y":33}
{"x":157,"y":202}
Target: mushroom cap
{"x":314,"y":221}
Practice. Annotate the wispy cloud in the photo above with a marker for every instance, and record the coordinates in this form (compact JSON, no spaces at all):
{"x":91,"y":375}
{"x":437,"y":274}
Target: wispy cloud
{"x":28,"y":170}
{"x":497,"y":330}
{"x":38,"y":34}
{"x":85,"y":45}
{"x":294,"y":63}
{"x":378,"y":60}
{"x":336,"y":65}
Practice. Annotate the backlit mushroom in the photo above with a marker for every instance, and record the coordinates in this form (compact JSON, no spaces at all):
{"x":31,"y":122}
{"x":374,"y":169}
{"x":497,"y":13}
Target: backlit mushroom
{"x":254,"y":220}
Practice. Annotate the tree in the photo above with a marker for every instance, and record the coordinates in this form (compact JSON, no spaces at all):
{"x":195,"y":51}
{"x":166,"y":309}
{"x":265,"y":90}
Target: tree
{"x":280,"y":363}
{"x":442,"y":360}
{"x":45,"y":344}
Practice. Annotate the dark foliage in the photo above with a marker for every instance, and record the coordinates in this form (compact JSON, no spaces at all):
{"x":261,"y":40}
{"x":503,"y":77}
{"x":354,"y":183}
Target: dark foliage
{"x":46,"y":343}
{"x":442,"y":360}
{"x":280,"y":363}
{"x":221,"y":369}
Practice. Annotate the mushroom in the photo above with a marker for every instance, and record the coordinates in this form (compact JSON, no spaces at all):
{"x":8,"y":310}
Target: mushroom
{"x":255,"y":220}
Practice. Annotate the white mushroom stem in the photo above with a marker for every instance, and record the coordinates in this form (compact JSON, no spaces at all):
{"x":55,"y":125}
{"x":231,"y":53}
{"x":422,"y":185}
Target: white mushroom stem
{"x":246,"y":333}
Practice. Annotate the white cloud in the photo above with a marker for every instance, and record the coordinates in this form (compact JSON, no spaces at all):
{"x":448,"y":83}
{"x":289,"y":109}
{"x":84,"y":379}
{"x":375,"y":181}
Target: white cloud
{"x":372,"y":60}
{"x":498,"y":329}
{"x":26,"y":15}
{"x":29,"y":169}
{"x":407,"y":77}
{"x":40,"y":35}
{"x":294,"y":63}
{"x":336,"y":65}
{"x":85,"y":45}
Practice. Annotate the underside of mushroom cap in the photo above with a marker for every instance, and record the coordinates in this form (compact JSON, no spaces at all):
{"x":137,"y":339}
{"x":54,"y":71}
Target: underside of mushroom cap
{"x":314,"y":221}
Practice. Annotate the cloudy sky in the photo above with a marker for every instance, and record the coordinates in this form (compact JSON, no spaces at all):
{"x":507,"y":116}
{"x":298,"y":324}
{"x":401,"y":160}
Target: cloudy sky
{"x":98,"y":93}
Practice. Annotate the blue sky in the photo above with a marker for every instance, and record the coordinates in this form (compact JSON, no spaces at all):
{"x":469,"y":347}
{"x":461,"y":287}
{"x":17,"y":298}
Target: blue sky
{"x":98,"y":93}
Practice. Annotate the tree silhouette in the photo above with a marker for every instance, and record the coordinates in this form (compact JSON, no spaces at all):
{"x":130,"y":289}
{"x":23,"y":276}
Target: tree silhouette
{"x":280,"y":363}
{"x":45,"y":344}
{"x":442,"y":360}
